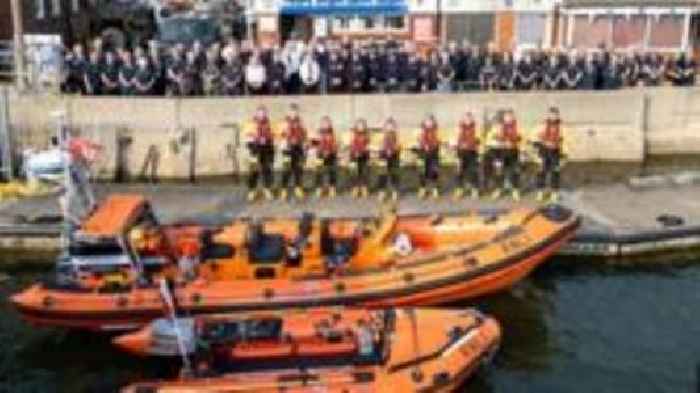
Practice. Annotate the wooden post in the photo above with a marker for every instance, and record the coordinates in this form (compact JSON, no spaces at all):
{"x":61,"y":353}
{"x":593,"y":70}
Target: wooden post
{"x":17,"y":22}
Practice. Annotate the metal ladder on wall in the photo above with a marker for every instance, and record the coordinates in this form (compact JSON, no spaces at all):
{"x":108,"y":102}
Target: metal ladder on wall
{"x":6,"y":151}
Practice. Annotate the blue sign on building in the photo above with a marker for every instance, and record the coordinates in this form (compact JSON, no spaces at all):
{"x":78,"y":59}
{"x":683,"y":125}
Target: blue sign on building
{"x":344,"y":7}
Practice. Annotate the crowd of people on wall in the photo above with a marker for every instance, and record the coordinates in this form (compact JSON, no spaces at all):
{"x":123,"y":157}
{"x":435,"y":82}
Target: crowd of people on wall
{"x":352,"y":66}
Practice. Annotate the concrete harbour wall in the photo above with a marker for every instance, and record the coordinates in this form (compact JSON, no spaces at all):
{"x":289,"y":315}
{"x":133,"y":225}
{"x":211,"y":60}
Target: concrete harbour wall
{"x":601,"y":126}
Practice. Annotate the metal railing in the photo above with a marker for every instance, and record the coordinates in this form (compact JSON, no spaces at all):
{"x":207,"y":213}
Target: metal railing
{"x":6,"y":151}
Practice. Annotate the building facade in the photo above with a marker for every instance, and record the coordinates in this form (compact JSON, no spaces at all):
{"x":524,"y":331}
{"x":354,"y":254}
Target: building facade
{"x":649,"y":25}
{"x":504,"y":24}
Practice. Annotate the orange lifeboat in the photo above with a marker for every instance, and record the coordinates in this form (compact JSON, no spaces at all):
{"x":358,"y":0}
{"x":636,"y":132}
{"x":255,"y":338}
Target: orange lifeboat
{"x":108,"y":278}
{"x":345,"y":350}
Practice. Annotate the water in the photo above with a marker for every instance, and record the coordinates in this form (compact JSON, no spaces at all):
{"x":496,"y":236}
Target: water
{"x":571,"y":327}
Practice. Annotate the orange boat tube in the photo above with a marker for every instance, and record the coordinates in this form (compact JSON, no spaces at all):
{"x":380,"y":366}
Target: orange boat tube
{"x":341,"y":350}
{"x":277,"y":264}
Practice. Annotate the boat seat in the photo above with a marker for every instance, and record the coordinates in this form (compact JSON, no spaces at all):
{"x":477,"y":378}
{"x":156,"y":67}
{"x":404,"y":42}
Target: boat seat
{"x":267,"y":249}
{"x":262,"y":349}
{"x":318,"y":347}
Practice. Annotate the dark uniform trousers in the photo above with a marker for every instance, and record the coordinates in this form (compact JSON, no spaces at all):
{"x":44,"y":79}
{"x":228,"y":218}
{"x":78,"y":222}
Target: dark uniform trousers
{"x":550,"y":168}
{"x":361,"y":170}
{"x":390,"y":177}
{"x":295,"y":170}
{"x":328,"y":171}
{"x":266,"y":156}
{"x":431,"y":167}
{"x":511,"y":167}
{"x":469,"y":167}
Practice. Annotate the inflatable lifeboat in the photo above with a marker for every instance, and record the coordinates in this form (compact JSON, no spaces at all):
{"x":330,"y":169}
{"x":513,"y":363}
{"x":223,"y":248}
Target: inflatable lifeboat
{"x":404,"y":350}
{"x":108,"y":278}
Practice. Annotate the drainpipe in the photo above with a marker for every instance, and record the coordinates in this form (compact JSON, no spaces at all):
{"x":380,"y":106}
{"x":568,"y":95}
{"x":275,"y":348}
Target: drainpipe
{"x":18,"y":23}
{"x":439,"y":22}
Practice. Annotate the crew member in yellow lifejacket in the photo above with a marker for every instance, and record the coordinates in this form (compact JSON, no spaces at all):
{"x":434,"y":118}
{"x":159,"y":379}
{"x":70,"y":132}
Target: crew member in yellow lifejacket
{"x":294,"y":135}
{"x":327,"y":154}
{"x":549,"y":143}
{"x":390,"y":157}
{"x":467,"y":148}
{"x":359,"y":155}
{"x":261,"y":146}
{"x":508,"y":138}
{"x":429,"y":150}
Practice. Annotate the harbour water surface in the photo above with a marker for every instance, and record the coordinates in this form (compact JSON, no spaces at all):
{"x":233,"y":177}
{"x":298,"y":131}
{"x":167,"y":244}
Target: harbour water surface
{"x":571,"y":327}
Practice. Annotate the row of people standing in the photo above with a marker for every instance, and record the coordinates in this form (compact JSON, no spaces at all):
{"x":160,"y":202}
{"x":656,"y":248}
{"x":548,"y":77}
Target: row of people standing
{"x":230,"y":70}
{"x":496,"y":165}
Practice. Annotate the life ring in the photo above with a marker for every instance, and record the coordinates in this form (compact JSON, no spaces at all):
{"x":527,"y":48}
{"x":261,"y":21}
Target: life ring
{"x":403,"y":245}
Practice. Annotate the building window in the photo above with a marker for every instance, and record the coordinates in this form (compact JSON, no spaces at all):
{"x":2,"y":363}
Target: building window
{"x":394,"y":23}
{"x":40,"y":9}
{"x":56,"y":7}
{"x":369,"y":23}
{"x":76,"y":6}
{"x":341,"y":23}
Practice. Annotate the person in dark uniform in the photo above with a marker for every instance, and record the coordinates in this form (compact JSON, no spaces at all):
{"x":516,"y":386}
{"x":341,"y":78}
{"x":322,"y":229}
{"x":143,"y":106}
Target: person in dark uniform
{"x":652,"y":70}
{"x":359,"y":155}
{"x":467,"y":148}
{"x":322,"y":56}
{"x":456,"y":59}
{"x":91,"y":77}
{"x":488,"y":74}
{"x":635,"y":64}
{"x":428,"y":150}
{"x":375,"y":73}
{"x":552,"y":74}
{"x":390,"y":159}
{"x":211,"y":75}
{"x":336,"y":73}
{"x":525,"y":76}
{"x":613,"y":75}
{"x":199,"y":54}
{"x":261,"y":147}
{"x":174,"y":73}
{"x":549,"y":145}
{"x":109,"y":75}
{"x":358,"y":73}
{"x":411,"y":74}
{"x":144,"y":78}
{"x":506,"y":73}
{"x":508,"y":139}
{"x":157,"y":64}
{"x":76,"y":65}
{"x":590,"y":73}
{"x":232,"y":75}
{"x":392,"y":73}
{"x":192,"y":75}
{"x":127,"y":72}
{"x":572,"y":76}
{"x":327,"y":154}
{"x":276,"y":73}
{"x":294,"y":135}
{"x":428,"y":75}
{"x":682,"y":72}
{"x":473,"y":64}
{"x":445,"y":74}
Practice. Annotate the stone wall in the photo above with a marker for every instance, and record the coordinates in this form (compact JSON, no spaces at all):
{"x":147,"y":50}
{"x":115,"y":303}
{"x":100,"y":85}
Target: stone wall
{"x":601,"y":126}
